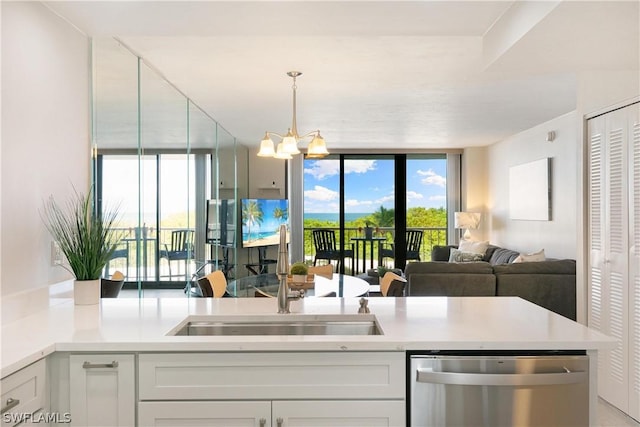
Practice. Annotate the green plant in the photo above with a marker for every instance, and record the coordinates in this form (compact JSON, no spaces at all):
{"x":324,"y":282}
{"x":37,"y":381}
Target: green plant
{"x":86,"y":239}
{"x":382,"y":270}
{"x":299,"y":268}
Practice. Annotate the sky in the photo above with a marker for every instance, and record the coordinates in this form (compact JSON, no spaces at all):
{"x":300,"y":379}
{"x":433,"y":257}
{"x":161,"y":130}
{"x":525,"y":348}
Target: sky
{"x":369,"y":184}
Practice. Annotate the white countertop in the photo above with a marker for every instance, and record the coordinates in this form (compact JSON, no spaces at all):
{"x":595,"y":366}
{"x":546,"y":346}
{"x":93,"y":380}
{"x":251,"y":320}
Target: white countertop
{"x":418,"y":323}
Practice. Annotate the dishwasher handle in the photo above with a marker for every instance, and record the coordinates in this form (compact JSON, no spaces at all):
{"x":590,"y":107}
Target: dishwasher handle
{"x":428,"y":375}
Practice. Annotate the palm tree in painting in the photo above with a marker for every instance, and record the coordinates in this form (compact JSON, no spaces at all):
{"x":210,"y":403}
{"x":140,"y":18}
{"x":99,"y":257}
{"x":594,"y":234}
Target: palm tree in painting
{"x":281,"y":214}
{"x":251,"y":214}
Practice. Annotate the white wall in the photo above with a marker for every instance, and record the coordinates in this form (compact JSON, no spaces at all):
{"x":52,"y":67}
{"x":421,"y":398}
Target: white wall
{"x":45,"y":136}
{"x":557,"y":236}
{"x":475,"y":191}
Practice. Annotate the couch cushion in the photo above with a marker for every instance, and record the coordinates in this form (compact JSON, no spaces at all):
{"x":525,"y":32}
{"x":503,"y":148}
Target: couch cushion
{"x":441,"y":253}
{"x":451,"y":284}
{"x":479,"y":267}
{"x":560,"y":266}
{"x":550,"y":284}
{"x":474,"y":246}
{"x":532,"y":257}
{"x":460,"y":256}
{"x":496,"y":255}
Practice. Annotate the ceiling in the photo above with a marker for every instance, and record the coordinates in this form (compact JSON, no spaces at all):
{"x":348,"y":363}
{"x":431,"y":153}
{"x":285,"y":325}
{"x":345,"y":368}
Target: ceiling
{"x":376,"y":74}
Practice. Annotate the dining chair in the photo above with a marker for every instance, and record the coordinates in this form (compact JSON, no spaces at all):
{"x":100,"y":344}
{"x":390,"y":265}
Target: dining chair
{"x":111,"y":287}
{"x":213,"y":285}
{"x":413,"y":245}
{"x":392,"y":285}
{"x":326,"y":248}
{"x":121,"y":251}
{"x":181,"y":249}
{"x":262,"y":267}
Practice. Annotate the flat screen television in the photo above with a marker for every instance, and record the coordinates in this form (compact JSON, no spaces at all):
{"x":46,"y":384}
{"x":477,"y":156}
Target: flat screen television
{"x":221,"y":222}
{"x":261,"y":220}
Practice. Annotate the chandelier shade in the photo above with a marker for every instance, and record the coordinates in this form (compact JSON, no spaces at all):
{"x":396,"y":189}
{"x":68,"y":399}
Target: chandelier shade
{"x":288,"y":144}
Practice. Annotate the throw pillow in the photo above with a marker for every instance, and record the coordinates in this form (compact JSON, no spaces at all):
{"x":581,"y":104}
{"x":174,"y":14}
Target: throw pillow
{"x":473,"y":246}
{"x":533,"y":257}
{"x":460,"y":256}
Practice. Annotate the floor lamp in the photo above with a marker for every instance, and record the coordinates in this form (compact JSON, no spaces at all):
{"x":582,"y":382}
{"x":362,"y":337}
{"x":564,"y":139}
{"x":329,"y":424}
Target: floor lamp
{"x":467,"y":221}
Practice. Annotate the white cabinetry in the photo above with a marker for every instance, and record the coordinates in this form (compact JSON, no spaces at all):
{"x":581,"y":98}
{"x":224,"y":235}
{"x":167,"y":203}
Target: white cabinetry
{"x":273,"y":389}
{"x":24,"y":396}
{"x":614,"y":252}
{"x":210,"y":414}
{"x":102,"y":389}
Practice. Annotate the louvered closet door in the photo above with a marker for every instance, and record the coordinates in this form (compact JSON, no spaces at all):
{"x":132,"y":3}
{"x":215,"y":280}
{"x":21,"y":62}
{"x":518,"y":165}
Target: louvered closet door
{"x":634,"y":262}
{"x":609,"y":214}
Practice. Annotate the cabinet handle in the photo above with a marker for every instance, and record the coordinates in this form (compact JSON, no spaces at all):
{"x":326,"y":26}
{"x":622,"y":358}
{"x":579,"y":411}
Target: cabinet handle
{"x":263,"y":422}
{"x":11,"y":403}
{"x":279,"y":422}
{"x":89,"y":365}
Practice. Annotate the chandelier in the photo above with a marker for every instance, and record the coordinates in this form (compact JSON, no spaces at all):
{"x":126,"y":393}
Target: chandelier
{"x":288,"y":144}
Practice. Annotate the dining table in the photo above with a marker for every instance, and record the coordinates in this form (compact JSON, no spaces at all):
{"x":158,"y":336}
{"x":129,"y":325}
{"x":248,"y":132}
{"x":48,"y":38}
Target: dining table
{"x":342,"y":284}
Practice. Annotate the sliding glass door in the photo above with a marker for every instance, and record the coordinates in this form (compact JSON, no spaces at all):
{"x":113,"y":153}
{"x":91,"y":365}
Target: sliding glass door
{"x":386,"y":209}
{"x":156,"y":196}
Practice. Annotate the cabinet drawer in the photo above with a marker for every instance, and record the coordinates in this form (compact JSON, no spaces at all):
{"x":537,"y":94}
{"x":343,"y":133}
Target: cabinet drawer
{"x":210,"y":414}
{"x":330,"y":375}
{"x":24,"y":392}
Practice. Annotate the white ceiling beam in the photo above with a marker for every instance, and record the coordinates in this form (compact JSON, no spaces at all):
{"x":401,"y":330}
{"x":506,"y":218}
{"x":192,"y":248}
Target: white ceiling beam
{"x":512,"y":26}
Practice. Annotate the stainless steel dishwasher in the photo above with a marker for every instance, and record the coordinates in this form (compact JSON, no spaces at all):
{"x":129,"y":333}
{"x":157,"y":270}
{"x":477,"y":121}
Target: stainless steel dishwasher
{"x":496,"y":389}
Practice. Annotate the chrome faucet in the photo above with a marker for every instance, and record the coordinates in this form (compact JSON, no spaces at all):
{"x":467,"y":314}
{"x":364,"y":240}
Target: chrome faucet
{"x":282,"y":270}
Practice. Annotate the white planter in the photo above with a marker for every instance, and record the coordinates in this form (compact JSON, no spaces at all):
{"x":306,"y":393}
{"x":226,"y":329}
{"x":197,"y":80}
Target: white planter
{"x":86,"y":292}
{"x":299,"y":278}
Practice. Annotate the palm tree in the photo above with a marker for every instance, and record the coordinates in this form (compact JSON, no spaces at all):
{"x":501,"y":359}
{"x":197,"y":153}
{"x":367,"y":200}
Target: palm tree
{"x":251,"y":214}
{"x":281,"y":214}
{"x":384,"y":217}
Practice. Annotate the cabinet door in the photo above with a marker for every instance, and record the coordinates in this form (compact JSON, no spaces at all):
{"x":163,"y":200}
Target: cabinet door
{"x":205,"y":413}
{"x":339,"y":413}
{"x":102,"y":390}
{"x":24,"y":395}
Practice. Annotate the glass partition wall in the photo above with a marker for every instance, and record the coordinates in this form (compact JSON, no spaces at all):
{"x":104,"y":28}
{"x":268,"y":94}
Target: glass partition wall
{"x":167,"y":165}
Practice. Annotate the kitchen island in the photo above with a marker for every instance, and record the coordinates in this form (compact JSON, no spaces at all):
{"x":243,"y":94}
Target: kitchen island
{"x":139,"y":329}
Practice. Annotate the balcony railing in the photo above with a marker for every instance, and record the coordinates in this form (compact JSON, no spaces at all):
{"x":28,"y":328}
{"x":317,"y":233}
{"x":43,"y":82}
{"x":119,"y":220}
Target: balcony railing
{"x":432,"y":236}
{"x":142,"y":266}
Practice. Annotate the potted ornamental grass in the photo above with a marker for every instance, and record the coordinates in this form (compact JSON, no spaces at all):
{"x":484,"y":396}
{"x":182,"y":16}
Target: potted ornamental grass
{"x":299,"y":271}
{"x":85,"y":238}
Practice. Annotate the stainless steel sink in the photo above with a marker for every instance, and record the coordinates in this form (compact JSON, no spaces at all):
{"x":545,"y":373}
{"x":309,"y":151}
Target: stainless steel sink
{"x":279,"y":325}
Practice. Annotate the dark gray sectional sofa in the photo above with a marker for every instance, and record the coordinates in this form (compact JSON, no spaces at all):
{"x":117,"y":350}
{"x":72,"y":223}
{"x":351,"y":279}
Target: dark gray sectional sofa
{"x":550,"y":284}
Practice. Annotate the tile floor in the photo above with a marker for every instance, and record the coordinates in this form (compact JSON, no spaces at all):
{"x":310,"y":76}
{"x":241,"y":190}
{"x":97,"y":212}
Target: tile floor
{"x":608,"y":416}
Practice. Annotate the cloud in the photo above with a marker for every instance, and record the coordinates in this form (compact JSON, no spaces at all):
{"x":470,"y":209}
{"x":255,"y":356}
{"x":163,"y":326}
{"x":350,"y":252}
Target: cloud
{"x":321,"y":193}
{"x":359,"y":166}
{"x":321,"y":207}
{"x":323,"y":169}
{"x":438,"y":198}
{"x":412,"y":195}
{"x":432,"y":178}
{"x":384,"y":199}
{"x":352,"y":203}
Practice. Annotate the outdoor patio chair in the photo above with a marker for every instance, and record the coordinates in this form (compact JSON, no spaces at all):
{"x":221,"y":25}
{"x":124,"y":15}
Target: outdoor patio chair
{"x":326,"y":248}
